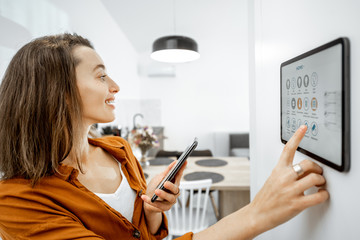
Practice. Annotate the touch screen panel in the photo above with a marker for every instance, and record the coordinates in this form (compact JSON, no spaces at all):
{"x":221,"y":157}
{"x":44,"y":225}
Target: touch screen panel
{"x":315,"y":92}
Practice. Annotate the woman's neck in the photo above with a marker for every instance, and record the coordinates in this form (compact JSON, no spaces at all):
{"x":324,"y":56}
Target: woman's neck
{"x":85,"y":150}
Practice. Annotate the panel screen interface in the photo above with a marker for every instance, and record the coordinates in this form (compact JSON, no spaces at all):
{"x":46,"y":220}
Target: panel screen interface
{"x":312,"y":89}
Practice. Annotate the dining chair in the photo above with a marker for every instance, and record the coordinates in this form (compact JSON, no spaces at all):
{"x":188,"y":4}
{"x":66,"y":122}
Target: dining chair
{"x":201,"y":153}
{"x":239,"y":144}
{"x":177,"y":154}
{"x":207,"y":153}
{"x":195,"y":153}
{"x":192,"y":218}
{"x":164,"y":153}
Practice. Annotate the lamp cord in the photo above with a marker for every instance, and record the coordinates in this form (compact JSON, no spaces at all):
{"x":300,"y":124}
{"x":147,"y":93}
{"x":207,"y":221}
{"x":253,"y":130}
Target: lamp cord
{"x":174,"y":16}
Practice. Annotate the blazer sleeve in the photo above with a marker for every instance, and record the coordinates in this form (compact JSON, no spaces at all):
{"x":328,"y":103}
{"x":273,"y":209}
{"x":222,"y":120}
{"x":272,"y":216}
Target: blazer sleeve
{"x":187,"y":236}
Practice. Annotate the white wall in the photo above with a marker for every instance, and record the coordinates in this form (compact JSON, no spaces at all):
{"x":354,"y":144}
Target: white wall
{"x":284,"y":29}
{"x":23,"y":20}
{"x":211,"y":94}
{"x":206,"y":97}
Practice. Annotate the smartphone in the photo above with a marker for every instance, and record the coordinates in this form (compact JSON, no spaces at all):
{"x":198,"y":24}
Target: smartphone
{"x":175,"y":169}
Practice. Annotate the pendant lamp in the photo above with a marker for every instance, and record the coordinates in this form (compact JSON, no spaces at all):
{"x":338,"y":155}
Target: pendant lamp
{"x":175,"y":49}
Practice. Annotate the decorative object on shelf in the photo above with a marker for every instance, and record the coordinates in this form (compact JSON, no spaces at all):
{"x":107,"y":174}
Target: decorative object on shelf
{"x":144,"y":139}
{"x":136,"y":125}
{"x":111,"y":131}
{"x":94,"y":132}
{"x":175,"y":48}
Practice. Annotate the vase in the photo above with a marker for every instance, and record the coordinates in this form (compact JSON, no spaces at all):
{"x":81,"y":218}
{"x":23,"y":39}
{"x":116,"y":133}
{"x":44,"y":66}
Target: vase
{"x":143,"y":160}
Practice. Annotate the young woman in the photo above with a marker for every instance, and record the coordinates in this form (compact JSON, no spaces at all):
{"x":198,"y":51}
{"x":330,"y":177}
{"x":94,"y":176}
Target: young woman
{"x":60,"y":184}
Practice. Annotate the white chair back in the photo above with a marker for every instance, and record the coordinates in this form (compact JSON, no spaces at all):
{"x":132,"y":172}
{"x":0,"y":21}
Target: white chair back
{"x":191,"y":218}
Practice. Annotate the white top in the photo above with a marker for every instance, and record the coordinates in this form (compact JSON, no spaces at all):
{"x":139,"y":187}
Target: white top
{"x":123,"y":199}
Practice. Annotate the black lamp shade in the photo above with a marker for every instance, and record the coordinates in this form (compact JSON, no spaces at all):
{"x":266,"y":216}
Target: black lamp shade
{"x":175,"y":42}
{"x":175,"y":49}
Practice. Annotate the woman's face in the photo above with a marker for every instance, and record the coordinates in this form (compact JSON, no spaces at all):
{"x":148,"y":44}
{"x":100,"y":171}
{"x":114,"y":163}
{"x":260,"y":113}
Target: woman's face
{"x":97,"y":90}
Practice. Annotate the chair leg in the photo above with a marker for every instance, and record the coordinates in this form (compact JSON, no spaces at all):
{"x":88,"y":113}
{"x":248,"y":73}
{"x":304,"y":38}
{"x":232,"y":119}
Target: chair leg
{"x":217,"y":214}
{"x":179,"y":202}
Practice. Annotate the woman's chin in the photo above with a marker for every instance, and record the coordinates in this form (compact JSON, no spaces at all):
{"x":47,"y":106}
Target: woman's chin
{"x":105,"y":120}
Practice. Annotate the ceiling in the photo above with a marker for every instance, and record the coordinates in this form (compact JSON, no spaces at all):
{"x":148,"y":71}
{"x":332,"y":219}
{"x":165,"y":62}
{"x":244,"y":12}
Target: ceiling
{"x":209,"y":22}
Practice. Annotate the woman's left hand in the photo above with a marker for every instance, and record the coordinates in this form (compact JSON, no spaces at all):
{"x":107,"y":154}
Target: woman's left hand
{"x":166,"y":199}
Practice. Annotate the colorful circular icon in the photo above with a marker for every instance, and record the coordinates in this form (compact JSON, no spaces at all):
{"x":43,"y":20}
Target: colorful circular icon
{"x":306,"y":103}
{"x":299,"y":103}
{"x":299,"y":123}
{"x":306,"y":80}
{"x":299,"y":82}
{"x":314,"y":104}
{"x":288,"y":83}
{"x":307,"y":125}
{"x":314,"y":128}
{"x":293,"y":83}
{"x":293,"y":103}
{"x":314,"y":79}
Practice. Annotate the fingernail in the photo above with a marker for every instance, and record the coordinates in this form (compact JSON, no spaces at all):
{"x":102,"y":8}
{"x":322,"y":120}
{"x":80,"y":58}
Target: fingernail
{"x":303,"y":127}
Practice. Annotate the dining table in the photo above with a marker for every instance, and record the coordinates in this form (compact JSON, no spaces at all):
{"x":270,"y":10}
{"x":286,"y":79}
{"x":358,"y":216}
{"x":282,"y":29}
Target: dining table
{"x":230,"y":175}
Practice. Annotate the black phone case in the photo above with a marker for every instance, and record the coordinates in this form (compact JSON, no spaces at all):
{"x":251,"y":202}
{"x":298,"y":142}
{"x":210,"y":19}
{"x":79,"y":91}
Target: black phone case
{"x":172,"y":173}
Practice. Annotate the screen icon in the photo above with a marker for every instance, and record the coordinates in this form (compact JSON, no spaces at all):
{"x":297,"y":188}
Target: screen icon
{"x":288,"y":122}
{"x":293,"y":125}
{"x":299,"y":82}
{"x":314,"y":128}
{"x":293,"y":103}
{"x":306,"y":103}
{"x":314,"y":104}
{"x":314,"y":79}
{"x":299,"y":103}
{"x":288,"y":84}
{"x":307,"y":125}
{"x":306,"y":80}
{"x":293,"y":83}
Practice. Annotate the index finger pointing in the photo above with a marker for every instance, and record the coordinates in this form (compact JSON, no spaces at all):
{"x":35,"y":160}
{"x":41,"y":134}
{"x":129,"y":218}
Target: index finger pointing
{"x":288,"y":153}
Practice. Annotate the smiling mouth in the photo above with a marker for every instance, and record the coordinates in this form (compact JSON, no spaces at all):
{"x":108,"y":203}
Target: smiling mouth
{"x":110,"y":102}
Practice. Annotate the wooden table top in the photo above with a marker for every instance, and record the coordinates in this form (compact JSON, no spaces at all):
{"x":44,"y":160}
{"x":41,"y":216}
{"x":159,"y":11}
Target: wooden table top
{"x":236,"y":172}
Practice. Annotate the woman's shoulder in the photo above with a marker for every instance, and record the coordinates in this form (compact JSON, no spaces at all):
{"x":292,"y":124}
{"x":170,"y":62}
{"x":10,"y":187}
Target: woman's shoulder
{"x":21,"y":185}
{"x":21,"y":189}
{"x":18,"y":184}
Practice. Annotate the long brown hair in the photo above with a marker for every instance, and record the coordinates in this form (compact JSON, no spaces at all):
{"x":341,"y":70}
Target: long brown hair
{"x":40,"y":108}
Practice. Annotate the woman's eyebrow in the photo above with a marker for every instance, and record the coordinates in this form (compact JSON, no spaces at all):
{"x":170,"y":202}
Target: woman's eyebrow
{"x":99,"y":66}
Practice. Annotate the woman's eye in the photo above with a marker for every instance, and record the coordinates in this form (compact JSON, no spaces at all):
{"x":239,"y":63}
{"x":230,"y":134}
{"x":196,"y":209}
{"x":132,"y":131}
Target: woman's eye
{"x":103,"y":77}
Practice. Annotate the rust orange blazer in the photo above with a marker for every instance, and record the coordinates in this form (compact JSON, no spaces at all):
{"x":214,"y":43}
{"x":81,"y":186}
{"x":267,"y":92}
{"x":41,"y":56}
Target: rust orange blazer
{"x":60,"y":207}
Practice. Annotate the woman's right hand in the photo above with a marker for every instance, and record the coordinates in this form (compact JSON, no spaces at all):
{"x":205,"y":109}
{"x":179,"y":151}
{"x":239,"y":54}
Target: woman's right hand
{"x":280,"y":199}
{"x":282,"y":196}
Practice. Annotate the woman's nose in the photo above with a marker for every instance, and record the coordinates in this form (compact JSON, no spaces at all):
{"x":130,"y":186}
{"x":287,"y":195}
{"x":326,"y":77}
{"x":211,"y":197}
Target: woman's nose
{"x":114,"y":88}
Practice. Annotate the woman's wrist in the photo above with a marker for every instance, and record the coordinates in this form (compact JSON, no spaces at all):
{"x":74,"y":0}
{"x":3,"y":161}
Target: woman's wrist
{"x":243,"y":224}
{"x":153,"y":220}
{"x":253,"y":218}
